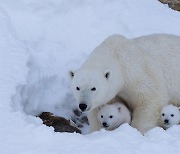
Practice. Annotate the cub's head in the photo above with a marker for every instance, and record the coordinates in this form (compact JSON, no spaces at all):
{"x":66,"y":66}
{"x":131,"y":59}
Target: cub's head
{"x":91,"y":88}
{"x":110,"y":116}
{"x":170,"y":115}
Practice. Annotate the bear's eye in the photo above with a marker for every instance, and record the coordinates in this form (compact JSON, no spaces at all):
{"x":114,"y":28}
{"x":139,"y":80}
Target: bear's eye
{"x":110,"y":116}
{"x":172,"y":115}
{"x":77,"y":88}
{"x":93,"y":89}
{"x":163,"y":114}
{"x":101,"y":116}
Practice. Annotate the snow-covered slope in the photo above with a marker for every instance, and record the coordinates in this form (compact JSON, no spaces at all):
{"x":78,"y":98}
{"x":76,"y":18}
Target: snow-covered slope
{"x":39,"y":42}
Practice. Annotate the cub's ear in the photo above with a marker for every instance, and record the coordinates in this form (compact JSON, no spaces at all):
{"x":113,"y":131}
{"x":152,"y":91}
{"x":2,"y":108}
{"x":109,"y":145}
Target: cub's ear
{"x":107,"y":74}
{"x":71,"y":74}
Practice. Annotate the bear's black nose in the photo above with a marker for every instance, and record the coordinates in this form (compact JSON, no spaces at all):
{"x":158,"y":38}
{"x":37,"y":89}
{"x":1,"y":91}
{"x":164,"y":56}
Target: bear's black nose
{"x":166,"y":121}
{"x":104,"y":124}
{"x":82,"y":107}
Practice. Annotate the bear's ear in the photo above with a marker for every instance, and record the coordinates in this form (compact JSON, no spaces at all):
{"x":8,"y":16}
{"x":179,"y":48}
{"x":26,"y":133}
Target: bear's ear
{"x":119,"y":109}
{"x":107,"y":74}
{"x":71,"y":74}
{"x":179,"y":108}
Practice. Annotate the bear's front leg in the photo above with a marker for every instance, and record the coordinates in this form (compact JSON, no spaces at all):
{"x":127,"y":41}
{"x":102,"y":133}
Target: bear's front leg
{"x":146,"y":114}
{"x":93,"y":121}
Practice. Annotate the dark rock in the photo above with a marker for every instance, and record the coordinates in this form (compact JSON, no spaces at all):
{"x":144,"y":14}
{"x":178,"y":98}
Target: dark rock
{"x":60,"y":124}
{"x":164,"y":1}
{"x":173,"y":4}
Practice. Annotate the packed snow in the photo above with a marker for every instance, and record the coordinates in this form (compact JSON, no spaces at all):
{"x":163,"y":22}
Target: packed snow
{"x":40,"y":41}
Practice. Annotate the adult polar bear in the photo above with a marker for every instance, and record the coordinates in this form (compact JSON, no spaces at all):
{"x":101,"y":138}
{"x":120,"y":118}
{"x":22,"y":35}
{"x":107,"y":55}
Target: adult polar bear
{"x":144,"y":71}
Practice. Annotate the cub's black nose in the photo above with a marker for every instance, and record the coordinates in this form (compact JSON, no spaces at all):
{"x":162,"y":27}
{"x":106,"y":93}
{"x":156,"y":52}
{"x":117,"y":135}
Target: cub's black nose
{"x":82,"y":107}
{"x":104,"y":124}
{"x":166,"y":121}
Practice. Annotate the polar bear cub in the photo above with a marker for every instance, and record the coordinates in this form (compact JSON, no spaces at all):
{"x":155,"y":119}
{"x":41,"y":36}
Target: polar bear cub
{"x":170,"y":115}
{"x":113,"y":115}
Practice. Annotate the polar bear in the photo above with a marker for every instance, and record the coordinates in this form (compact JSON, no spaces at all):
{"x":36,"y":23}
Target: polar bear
{"x":111,"y":116}
{"x":170,"y":115}
{"x":143,"y":71}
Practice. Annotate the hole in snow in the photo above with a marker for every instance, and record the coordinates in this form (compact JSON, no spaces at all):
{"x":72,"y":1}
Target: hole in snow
{"x":49,"y":94}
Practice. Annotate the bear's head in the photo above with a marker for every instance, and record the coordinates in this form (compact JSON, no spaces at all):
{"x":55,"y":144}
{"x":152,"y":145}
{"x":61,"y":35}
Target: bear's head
{"x":170,"y":115}
{"x":110,"y":116}
{"x":93,"y":88}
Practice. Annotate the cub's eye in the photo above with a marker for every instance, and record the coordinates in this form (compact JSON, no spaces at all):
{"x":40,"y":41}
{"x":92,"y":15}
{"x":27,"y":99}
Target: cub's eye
{"x":172,"y":115}
{"x":101,"y":116}
{"x":93,"y":89}
{"x":110,"y":116}
{"x":163,"y":114}
{"x":77,"y":88}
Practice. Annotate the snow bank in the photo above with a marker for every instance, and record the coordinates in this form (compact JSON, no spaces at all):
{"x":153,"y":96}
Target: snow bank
{"x":40,"y":41}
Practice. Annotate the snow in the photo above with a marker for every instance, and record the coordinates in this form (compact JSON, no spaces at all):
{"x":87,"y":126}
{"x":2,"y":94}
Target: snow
{"x":40,"y":41}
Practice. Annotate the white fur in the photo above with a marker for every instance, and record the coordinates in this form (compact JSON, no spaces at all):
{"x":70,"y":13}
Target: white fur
{"x":143,"y":71}
{"x":170,"y":115}
{"x":113,"y":115}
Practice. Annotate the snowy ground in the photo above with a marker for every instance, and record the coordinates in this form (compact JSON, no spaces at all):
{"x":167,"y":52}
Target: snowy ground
{"x":39,"y":42}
